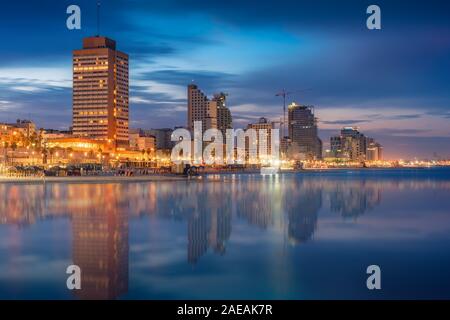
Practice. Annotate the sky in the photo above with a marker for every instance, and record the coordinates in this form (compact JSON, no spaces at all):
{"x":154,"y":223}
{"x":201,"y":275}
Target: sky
{"x":393,"y":83}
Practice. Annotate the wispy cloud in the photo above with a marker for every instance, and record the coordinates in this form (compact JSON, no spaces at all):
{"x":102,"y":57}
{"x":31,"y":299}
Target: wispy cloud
{"x":440,"y":113}
{"x":400,"y":132}
{"x":8,"y":105}
{"x":29,"y":88}
{"x":403,"y":116}
{"x":345,"y":122}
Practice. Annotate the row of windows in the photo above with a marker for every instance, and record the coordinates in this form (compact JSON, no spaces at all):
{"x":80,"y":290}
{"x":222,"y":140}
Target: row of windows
{"x":90,"y":113}
{"x":100,"y":88}
{"x":101,"y":92}
{"x":90,"y":75}
{"x":94,"y":118}
{"x":90,"y":68}
{"x":91,"y":120}
{"x":89,"y":96}
{"x":96,"y":123}
{"x":89,"y":91}
{"x":121,"y":83}
{"x":86,"y":57}
{"x":89,"y":106}
{"x":90,"y":64}
{"x":80,"y":80}
{"x":91,"y":130}
{"x":92,"y":91}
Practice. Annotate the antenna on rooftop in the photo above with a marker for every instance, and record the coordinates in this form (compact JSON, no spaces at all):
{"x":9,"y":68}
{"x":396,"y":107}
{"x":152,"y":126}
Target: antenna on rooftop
{"x":98,"y":18}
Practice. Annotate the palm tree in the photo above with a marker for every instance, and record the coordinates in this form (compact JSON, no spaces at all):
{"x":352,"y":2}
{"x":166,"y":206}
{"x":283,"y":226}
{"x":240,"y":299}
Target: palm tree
{"x":44,"y":155}
{"x":100,"y":152}
{"x":51,"y":152}
{"x":6,"y":145}
{"x":14,"y":148}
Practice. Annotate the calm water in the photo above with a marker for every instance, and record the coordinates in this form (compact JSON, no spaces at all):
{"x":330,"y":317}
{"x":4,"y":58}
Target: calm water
{"x":292,"y":236}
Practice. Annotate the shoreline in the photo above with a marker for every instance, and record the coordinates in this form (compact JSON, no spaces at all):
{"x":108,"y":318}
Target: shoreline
{"x":96,"y":179}
{"x":174,"y":177}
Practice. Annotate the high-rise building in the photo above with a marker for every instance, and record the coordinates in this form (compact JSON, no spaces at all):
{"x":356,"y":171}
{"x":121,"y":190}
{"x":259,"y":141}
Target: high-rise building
{"x":374,"y":151}
{"x":224,"y":119}
{"x":336,"y":147}
{"x":267,"y":126}
{"x":200,"y":108}
{"x":303,"y":131}
{"x":350,"y":144}
{"x":100,"y":91}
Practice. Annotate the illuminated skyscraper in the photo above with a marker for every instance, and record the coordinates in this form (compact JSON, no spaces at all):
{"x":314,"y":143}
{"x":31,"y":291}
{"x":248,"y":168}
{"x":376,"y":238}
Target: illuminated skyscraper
{"x":350,"y":144}
{"x":303,"y":132}
{"x":263,"y":128}
{"x":200,"y":108}
{"x":374,"y":150}
{"x":224,"y":119}
{"x":100,"y":91}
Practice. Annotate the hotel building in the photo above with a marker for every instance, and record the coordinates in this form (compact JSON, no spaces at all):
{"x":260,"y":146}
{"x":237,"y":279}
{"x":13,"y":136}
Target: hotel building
{"x":100,"y":92}
{"x":224,"y":119}
{"x":200,"y":108}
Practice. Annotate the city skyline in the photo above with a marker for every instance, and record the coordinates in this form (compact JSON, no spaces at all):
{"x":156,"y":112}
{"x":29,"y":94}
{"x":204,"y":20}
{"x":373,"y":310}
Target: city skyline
{"x":398,"y":97}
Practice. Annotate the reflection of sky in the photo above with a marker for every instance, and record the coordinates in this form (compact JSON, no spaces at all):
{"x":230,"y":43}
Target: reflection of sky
{"x":392,"y":83}
{"x":290,"y":237}
{"x":33,"y":260}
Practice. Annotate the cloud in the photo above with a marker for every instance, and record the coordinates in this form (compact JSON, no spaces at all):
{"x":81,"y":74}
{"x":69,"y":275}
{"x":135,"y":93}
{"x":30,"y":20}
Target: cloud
{"x":8,"y":105}
{"x":403,"y":116}
{"x":345,"y":122}
{"x":400,"y":132}
{"x":371,"y":118}
{"x":440,"y":113}
{"x":28,"y":88}
{"x":207,"y":80}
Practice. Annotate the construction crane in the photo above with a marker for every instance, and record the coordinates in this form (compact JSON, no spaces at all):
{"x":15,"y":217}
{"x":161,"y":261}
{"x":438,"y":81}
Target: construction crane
{"x":285,"y":94}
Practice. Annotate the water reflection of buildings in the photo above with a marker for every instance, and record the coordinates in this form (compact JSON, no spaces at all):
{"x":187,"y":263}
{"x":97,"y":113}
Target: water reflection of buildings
{"x":99,"y":228}
{"x":303,"y":206}
{"x":100,"y":245}
{"x":208,"y":219}
{"x":259,"y":203}
{"x":354,"y":198}
{"x":100,"y":213}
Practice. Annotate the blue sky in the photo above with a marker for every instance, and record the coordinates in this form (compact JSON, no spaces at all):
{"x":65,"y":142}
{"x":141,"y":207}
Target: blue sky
{"x":393,"y":83}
